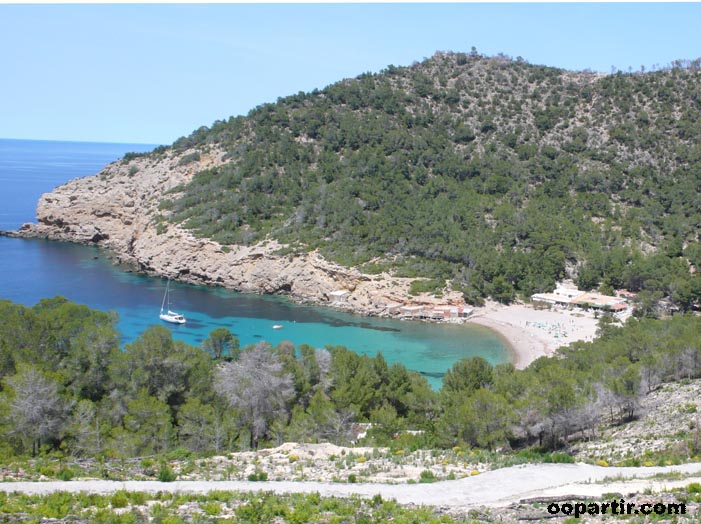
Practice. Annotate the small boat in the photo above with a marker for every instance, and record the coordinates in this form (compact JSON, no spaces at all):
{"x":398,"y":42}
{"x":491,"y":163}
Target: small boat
{"x":170,"y":316}
{"x":277,"y":326}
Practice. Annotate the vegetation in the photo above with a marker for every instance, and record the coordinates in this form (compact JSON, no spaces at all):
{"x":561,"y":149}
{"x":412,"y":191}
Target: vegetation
{"x":67,"y":385}
{"x":220,"y":507}
{"x":490,"y":173}
{"x":68,"y":388}
{"x":124,"y":507}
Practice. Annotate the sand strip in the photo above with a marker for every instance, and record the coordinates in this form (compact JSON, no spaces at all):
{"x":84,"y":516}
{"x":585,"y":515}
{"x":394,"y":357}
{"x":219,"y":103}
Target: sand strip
{"x":534,"y":333}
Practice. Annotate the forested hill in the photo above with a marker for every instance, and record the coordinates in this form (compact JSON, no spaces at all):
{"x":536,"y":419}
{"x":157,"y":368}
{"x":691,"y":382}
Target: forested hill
{"x":495,"y":174}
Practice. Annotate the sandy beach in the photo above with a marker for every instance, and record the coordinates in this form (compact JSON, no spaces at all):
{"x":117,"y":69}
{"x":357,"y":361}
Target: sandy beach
{"x":534,"y":333}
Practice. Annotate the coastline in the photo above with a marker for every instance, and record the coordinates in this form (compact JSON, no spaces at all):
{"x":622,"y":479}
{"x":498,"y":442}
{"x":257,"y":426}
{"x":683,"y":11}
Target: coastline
{"x":533,"y":333}
{"x":523,"y":348}
{"x":527,"y":333}
{"x":115,"y":211}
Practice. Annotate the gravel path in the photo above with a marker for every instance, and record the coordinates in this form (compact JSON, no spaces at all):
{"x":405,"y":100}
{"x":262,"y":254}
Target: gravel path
{"x":494,"y":488}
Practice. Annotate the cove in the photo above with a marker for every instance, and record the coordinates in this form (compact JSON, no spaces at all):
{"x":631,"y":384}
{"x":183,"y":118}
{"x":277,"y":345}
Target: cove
{"x":34,"y":269}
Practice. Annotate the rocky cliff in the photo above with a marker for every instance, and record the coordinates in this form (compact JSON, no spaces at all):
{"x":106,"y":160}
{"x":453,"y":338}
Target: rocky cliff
{"x":118,"y":209}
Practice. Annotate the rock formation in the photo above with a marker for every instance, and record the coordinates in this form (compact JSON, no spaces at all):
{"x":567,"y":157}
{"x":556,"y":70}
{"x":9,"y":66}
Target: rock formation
{"x":118,"y":209}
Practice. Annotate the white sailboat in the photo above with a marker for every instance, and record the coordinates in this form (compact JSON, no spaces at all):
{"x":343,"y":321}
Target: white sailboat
{"x":170,"y":316}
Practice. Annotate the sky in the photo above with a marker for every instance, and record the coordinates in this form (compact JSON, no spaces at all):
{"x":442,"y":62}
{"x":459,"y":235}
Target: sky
{"x":151,"y":73}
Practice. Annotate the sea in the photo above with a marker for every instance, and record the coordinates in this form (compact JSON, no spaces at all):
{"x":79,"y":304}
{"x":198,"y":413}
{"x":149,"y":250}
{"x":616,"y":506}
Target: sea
{"x":32,"y":269}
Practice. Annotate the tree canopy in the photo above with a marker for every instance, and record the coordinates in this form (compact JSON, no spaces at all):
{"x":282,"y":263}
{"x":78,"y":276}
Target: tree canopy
{"x":495,"y":174}
{"x":158,"y":394}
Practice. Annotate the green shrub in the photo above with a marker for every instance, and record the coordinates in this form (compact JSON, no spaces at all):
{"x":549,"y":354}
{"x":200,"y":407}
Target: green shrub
{"x":694,"y":487}
{"x":189,"y":158}
{"x":137,"y":498}
{"x":427,"y":476}
{"x":56,"y":505}
{"x":258,"y":476}
{"x":120,"y":499}
{"x":65,"y":474}
{"x":211,"y":508}
{"x":179,"y":453}
{"x":426,"y":286}
{"x":166,"y":474}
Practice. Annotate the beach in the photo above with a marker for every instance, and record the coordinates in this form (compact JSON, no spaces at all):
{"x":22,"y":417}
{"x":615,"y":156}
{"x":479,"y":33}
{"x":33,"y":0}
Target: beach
{"x":534,"y":333}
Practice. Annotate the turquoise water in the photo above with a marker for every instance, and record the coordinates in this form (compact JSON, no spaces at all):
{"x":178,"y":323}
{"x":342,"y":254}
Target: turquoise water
{"x":34,"y":269}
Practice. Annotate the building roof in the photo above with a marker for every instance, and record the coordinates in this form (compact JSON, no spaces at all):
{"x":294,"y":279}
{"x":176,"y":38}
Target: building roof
{"x":597,"y":299}
{"x":551,"y":297}
{"x":619,"y":307}
{"x":567,"y":292}
{"x":591,"y":298}
{"x":412,"y":308}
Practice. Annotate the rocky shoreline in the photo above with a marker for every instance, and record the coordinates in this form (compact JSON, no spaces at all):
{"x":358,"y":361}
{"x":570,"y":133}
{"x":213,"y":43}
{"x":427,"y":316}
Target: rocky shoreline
{"x":304,"y":278}
{"x":118,"y":210}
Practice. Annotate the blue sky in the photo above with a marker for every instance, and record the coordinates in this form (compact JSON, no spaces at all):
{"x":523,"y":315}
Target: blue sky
{"x":152,"y":73}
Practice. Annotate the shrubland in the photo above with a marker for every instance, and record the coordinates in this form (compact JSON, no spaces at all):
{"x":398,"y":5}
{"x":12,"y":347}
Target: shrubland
{"x":493,"y":174}
{"x":69,"y":389}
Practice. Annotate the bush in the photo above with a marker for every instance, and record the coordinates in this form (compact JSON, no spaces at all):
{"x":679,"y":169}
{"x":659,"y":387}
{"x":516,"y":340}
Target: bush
{"x":258,"y":476}
{"x":137,"y":498}
{"x":65,"y":474}
{"x":179,"y":454}
{"x":166,"y":474}
{"x":211,"y":508}
{"x":427,"y":476}
{"x":189,"y":159}
{"x":426,"y":286}
{"x":694,"y":487}
{"x":132,"y":155}
{"x":119,"y":499}
{"x":559,"y":458}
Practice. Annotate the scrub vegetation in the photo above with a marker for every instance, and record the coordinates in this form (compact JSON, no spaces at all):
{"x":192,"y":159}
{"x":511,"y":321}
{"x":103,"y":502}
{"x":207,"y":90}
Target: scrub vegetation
{"x":69,"y":390}
{"x":125,"y":507}
{"x":496,"y":175}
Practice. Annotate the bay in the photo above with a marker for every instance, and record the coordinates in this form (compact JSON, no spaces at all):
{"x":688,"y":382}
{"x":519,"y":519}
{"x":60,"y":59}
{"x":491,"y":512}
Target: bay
{"x":34,"y":269}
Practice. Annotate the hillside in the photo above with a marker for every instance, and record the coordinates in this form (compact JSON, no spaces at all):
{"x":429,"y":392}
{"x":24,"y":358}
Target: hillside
{"x":494,"y":175}
{"x":216,"y":488}
{"x":467,"y":168}
{"x":67,"y":384}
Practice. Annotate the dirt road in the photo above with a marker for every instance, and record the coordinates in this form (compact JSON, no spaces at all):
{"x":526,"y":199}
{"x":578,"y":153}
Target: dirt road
{"x":494,"y":488}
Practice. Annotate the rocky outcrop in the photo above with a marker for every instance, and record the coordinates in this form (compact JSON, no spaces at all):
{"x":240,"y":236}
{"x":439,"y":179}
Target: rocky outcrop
{"x":118,"y":209}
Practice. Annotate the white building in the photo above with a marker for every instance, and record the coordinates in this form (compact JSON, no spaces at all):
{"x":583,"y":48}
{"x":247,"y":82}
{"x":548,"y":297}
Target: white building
{"x":339,"y":297}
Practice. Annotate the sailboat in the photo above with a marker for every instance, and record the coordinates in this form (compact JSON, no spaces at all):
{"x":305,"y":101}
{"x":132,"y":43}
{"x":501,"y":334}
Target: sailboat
{"x":170,"y":316}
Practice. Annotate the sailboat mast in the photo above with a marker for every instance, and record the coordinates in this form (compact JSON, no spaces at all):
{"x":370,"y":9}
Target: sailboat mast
{"x":164,"y":296}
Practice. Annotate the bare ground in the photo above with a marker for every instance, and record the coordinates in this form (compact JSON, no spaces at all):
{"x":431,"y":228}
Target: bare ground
{"x":496,"y":488}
